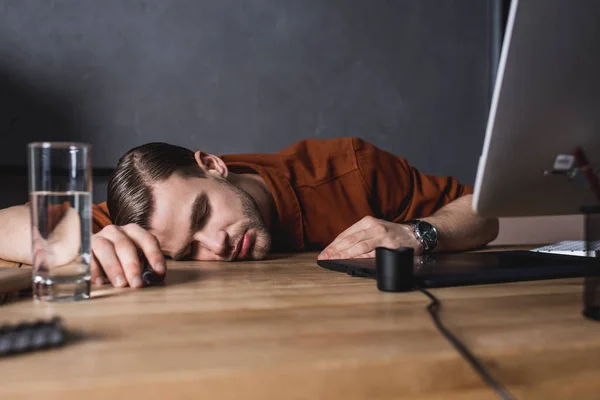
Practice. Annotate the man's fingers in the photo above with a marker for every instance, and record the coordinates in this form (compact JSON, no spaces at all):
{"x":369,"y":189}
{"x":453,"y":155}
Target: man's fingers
{"x":149,"y":245}
{"x":127,"y":253}
{"x":364,"y":223}
{"x":359,"y":249}
{"x":105,"y":254}
{"x":98,"y":276}
{"x":132,"y":266}
{"x":116,"y":252}
{"x":336,"y":250}
{"x":370,"y":254}
{"x":357,"y":227}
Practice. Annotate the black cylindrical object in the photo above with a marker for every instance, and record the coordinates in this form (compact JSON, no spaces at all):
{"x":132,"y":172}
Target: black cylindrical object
{"x":394,"y":269}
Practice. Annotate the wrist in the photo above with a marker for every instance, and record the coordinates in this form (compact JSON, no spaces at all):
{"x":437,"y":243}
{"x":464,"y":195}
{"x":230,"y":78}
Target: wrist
{"x":425,"y":234}
{"x":413,"y":242}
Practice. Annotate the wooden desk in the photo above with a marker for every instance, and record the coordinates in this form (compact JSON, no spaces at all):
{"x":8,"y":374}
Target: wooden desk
{"x":285,"y":328}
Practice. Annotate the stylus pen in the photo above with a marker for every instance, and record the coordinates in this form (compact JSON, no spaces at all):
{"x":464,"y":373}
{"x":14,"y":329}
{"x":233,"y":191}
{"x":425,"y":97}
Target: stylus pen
{"x":149,"y":277}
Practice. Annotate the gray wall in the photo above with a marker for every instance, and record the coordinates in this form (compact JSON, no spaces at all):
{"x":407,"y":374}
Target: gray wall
{"x":412,"y":76}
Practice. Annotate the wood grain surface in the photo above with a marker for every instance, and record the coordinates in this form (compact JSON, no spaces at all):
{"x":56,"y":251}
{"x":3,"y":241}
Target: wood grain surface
{"x":286,"y":328}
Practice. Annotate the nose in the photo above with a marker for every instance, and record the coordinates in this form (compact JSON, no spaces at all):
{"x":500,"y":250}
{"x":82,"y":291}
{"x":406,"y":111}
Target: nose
{"x":216,"y":242}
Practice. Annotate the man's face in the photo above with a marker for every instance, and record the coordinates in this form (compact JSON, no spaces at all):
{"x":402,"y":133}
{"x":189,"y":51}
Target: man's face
{"x":207,"y":219}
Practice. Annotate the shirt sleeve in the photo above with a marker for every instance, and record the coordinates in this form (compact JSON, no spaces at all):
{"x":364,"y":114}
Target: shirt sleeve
{"x":100,"y":217}
{"x":399,"y":192}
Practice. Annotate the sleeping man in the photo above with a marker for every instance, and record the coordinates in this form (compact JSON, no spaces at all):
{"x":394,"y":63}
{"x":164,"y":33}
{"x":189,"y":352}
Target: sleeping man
{"x":343,"y":197}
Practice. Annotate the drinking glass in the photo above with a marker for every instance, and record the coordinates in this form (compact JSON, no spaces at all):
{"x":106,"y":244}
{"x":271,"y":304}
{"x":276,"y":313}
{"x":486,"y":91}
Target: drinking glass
{"x":60,"y":183}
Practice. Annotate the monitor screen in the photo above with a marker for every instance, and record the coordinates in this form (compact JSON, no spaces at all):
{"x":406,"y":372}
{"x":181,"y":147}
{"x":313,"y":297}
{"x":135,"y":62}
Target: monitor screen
{"x":546,"y":103}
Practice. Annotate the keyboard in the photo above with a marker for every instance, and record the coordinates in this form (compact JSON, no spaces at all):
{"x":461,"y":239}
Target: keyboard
{"x":572,"y":248}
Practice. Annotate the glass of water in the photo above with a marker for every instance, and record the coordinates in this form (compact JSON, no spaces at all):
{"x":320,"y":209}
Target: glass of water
{"x":60,"y":184}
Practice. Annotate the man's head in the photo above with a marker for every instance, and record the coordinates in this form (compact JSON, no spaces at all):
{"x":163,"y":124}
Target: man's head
{"x":187,"y":202}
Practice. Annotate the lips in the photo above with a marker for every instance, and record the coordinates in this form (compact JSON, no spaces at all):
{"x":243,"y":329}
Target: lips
{"x":244,"y":247}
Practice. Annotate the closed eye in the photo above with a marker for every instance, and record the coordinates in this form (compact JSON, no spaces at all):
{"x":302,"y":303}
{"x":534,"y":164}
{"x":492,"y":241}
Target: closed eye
{"x":200,"y":213}
{"x":203,"y":217}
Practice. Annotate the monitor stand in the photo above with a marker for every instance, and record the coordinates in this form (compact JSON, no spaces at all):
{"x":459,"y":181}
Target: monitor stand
{"x":591,"y":284}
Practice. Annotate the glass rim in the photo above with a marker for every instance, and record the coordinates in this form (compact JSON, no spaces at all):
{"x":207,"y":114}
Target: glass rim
{"x":60,"y":145}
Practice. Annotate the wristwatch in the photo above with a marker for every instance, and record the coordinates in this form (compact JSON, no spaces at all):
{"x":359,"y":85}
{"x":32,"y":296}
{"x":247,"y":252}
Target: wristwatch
{"x":425,"y":233}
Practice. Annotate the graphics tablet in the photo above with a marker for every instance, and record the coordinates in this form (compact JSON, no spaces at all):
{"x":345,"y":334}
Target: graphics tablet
{"x":458,"y":269}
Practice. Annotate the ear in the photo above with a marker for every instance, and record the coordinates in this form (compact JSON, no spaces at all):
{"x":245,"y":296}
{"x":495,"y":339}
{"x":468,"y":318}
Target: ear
{"x":211,"y":164}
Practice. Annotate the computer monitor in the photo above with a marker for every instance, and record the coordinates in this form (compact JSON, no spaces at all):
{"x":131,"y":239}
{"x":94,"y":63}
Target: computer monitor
{"x":546,"y":102}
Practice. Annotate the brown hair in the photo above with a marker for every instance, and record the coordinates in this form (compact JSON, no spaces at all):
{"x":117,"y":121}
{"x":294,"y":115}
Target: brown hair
{"x":129,"y":197}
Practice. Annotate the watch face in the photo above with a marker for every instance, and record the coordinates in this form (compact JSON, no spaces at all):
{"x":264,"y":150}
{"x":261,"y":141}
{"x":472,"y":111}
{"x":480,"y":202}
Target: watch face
{"x":427,"y":232}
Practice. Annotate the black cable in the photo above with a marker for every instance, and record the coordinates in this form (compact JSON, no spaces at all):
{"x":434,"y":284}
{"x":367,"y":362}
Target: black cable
{"x":433,"y":308}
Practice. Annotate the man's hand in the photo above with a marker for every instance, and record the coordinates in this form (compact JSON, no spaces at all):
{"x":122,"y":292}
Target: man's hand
{"x":459,"y":229}
{"x":362,"y":238}
{"x":116,"y":255}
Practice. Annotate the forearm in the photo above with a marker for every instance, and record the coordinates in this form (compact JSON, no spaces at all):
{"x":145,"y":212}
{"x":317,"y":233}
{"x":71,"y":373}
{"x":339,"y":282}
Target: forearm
{"x":459,"y":228}
{"x":15,"y":234}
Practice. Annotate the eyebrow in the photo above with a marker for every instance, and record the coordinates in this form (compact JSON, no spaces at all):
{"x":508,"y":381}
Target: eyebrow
{"x":200,"y":200}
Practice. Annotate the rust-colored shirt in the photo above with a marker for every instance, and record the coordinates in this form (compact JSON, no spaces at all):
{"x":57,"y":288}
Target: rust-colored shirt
{"x":321,"y":187}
